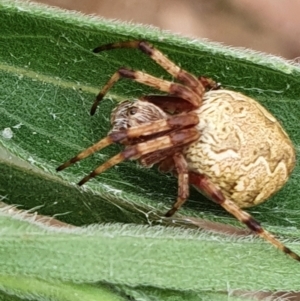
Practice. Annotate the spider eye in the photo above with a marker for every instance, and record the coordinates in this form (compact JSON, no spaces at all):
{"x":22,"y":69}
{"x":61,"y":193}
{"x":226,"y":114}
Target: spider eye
{"x":132,"y":111}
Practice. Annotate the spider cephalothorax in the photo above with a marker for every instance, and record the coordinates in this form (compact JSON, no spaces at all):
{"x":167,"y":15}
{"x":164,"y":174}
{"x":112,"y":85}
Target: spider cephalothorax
{"x":134,"y":113}
{"x":222,"y":142}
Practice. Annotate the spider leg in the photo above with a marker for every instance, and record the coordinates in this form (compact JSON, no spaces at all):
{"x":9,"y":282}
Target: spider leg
{"x":159,"y":157}
{"x":87,"y":152}
{"x":204,"y":184}
{"x":183,"y":182}
{"x":182,"y":75}
{"x":166,"y":165}
{"x":209,"y":83}
{"x":174,"y":122}
{"x":169,"y":103}
{"x":149,"y":80}
{"x":173,"y":104}
{"x":174,"y":139}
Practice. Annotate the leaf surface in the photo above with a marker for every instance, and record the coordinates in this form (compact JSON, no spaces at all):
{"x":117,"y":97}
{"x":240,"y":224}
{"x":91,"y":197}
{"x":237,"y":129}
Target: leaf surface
{"x":49,"y":78}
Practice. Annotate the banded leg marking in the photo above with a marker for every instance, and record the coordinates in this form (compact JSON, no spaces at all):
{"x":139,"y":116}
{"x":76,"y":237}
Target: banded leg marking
{"x":174,"y":139}
{"x":174,"y":122}
{"x":205,"y":185}
{"x":149,"y":80}
{"x":183,"y":182}
{"x":180,"y":74}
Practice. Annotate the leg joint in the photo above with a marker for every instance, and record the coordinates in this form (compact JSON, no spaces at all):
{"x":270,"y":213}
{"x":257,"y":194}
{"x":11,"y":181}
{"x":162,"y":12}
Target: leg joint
{"x":125,"y":72}
{"x":146,"y":48}
{"x":253,"y":225}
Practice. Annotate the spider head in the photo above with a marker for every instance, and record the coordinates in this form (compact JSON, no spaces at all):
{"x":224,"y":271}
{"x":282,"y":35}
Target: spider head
{"x":134,"y":113}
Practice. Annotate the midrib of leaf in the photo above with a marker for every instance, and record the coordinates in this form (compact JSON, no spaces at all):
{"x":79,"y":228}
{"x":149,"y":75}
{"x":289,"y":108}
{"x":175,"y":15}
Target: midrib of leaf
{"x":58,"y":50}
{"x":47,"y":79}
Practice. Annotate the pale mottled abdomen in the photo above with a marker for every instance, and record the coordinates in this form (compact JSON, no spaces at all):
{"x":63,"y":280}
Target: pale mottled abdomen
{"x":243,"y":148}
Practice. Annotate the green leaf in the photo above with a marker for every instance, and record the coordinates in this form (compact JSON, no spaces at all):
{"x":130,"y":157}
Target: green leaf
{"x":139,"y":256}
{"x":49,"y":78}
{"x":35,"y":289}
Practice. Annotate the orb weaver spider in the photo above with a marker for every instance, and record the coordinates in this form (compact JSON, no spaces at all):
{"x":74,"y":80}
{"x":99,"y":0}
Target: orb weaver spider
{"x":222,"y":142}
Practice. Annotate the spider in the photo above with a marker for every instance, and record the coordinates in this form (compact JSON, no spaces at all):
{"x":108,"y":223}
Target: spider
{"x":220,"y":141}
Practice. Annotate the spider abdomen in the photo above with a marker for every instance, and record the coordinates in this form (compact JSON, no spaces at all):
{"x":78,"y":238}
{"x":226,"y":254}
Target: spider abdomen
{"x":242,"y":148}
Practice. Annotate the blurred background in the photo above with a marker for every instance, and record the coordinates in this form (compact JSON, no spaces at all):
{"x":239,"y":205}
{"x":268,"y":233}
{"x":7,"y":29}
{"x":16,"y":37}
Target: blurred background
{"x":271,"y":26}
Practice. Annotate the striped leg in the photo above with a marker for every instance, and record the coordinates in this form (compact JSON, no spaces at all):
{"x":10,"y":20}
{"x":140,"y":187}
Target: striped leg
{"x":185,"y":77}
{"x":183,"y":182}
{"x":169,"y":103}
{"x":174,"y":139}
{"x":174,"y":122}
{"x":149,"y":80}
{"x":205,"y":185}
